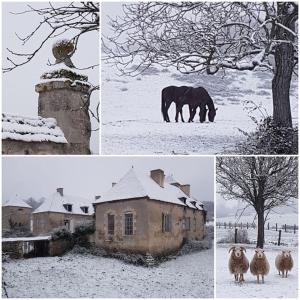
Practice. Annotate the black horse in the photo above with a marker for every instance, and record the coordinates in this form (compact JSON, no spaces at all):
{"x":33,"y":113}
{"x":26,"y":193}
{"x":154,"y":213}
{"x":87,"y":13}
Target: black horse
{"x":197,"y":97}
{"x":172,"y":94}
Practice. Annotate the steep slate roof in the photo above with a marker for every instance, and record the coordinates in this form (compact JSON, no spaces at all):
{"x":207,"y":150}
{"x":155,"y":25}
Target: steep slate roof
{"x":55,"y":202}
{"x":31,"y":129}
{"x":16,"y":201}
{"x":136,"y":185}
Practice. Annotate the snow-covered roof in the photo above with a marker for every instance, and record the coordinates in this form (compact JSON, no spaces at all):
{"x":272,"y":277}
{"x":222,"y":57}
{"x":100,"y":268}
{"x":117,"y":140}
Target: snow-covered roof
{"x":137,"y":185}
{"x":16,"y":201}
{"x":56,"y":202}
{"x":31,"y":129}
{"x":32,"y":238}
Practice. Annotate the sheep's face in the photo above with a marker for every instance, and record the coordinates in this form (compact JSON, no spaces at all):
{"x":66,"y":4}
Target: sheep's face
{"x":259,"y":253}
{"x":237,"y":251}
{"x":286,"y":254}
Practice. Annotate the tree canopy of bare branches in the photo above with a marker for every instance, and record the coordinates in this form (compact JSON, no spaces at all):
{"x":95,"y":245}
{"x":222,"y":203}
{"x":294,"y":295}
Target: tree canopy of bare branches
{"x":76,"y":18}
{"x":208,"y":37}
{"x":263,"y":183}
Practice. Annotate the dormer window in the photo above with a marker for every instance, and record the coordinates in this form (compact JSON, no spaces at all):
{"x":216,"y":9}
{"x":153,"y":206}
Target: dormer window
{"x":85,"y":209}
{"x":183,"y":199}
{"x":68,"y":207}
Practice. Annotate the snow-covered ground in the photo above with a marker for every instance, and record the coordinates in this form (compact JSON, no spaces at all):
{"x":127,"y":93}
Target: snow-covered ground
{"x":73,"y":276}
{"x":132,"y":122}
{"x":274,"y":286}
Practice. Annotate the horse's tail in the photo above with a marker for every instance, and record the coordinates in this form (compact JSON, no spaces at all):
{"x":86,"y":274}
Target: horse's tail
{"x":163,"y":105}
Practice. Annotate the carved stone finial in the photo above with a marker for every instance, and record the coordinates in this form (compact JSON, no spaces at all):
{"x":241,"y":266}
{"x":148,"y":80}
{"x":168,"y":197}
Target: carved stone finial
{"x":62,"y":51}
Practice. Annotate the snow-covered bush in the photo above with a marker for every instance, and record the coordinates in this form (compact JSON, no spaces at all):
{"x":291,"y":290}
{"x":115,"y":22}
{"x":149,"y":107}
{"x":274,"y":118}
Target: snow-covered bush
{"x":242,"y":237}
{"x":270,"y":139}
{"x":85,"y":229}
{"x":61,"y":234}
{"x":82,"y":232}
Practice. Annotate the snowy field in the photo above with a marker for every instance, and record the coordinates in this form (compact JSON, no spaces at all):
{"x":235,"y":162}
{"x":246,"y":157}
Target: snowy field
{"x":274,"y":286}
{"x":273,"y":218}
{"x":73,"y":276}
{"x":132,"y":122}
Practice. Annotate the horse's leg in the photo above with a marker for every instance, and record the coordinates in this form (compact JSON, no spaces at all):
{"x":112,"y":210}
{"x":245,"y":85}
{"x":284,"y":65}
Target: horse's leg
{"x":202,"y":113}
{"x":192,"y":113}
{"x":168,"y":104}
{"x":178,"y":110}
{"x":182,"y":119}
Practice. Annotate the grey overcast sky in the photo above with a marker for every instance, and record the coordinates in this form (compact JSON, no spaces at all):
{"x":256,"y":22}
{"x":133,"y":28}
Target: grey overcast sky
{"x":89,"y":176}
{"x":18,"y":93}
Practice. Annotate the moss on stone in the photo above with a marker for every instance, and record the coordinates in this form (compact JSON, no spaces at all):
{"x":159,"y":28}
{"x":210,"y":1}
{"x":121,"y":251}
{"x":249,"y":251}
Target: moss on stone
{"x":64,"y":73}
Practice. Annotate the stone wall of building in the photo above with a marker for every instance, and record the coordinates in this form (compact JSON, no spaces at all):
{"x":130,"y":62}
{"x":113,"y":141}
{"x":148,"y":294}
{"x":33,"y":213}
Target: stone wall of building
{"x":15,"y":217}
{"x":138,"y":242}
{"x":68,"y":103}
{"x":46,"y":222}
{"x":34,"y":148}
{"x":147,"y":234}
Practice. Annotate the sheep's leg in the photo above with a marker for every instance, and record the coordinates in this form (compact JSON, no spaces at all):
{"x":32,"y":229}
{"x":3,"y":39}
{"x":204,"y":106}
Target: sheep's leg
{"x":286,"y":273}
{"x":236,"y":277}
{"x":279,"y":272}
{"x":262,"y":279}
{"x":282,"y":274}
{"x":257,"y":278}
{"x":242,"y":275}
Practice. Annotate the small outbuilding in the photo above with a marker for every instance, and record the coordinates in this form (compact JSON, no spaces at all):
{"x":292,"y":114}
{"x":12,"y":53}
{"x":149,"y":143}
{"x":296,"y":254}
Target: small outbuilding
{"x":31,"y":135}
{"x":16,"y":215}
{"x":61,"y":211}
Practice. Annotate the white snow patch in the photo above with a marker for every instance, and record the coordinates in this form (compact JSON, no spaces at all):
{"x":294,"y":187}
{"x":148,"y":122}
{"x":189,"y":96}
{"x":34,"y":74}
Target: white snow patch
{"x":137,"y":185}
{"x":16,"y":201}
{"x":55,"y":203}
{"x":74,"y":276}
{"x":31,"y":129}
{"x":33,"y":238}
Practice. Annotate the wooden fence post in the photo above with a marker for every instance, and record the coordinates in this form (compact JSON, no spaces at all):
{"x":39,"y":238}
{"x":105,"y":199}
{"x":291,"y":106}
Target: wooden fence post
{"x":284,"y":227}
{"x":294,"y":228}
{"x":225,"y":225}
{"x":268,"y":226}
{"x":235,"y":235}
{"x":247,"y":225}
{"x":276,"y":226}
{"x":279,"y":237}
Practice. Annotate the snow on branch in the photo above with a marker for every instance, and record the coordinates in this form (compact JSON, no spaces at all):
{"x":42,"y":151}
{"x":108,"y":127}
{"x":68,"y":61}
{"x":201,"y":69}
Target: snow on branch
{"x":76,"y":18}
{"x":194,"y":37}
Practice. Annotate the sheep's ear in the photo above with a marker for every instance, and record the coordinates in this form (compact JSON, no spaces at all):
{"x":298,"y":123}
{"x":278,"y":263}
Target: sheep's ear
{"x":244,"y":249}
{"x":289,"y":251}
{"x":255,"y":250}
{"x":231,"y":249}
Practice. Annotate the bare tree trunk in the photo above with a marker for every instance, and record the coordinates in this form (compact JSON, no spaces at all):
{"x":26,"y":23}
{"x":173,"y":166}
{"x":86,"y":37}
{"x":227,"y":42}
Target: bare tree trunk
{"x":260,"y":229}
{"x":284,"y":64}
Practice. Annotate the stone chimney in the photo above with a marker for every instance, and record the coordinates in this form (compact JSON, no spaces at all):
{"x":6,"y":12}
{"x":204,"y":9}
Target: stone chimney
{"x":158,"y":176}
{"x":97,"y":197}
{"x":60,"y":191}
{"x":64,"y":95}
{"x":113,"y":184}
{"x":186,"y":188}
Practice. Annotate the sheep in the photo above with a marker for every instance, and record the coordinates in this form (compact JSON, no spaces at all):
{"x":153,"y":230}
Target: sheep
{"x":284,"y":262}
{"x":238,"y":263}
{"x":259,"y":264}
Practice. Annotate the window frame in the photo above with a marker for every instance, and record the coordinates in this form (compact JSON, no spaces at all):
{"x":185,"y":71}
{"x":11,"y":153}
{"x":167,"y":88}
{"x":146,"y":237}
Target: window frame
{"x":166,"y":222}
{"x":128,"y":223}
{"x":110,"y":231}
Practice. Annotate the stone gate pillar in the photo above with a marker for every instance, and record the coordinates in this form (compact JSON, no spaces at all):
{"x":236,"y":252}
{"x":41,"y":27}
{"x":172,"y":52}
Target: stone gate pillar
{"x":64,"y":95}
